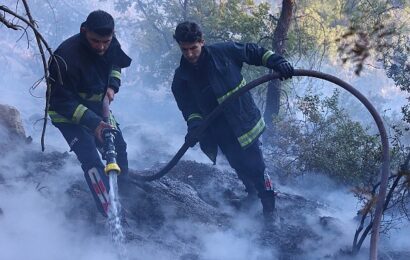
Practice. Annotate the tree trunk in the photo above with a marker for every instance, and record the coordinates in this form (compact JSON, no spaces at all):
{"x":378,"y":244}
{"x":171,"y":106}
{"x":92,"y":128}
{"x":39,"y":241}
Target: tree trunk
{"x":278,"y":46}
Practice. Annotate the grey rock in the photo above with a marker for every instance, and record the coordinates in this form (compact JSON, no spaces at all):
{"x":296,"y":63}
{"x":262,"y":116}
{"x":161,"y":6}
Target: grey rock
{"x":10,"y":120}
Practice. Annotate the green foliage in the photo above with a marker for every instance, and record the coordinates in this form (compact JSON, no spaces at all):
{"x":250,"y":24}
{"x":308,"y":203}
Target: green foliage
{"x":236,"y":20}
{"x":152,"y":33}
{"x":326,"y":141}
{"x":315,"y":29}
{"x":375,"y":28}
{"x":159,"y":55}
{"x":397,"y":65}
{"x":356,"y":44}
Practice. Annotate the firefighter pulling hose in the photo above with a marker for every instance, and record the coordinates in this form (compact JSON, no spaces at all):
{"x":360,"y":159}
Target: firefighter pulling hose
{"x":208,"y":81}
{"x":299,"y":73}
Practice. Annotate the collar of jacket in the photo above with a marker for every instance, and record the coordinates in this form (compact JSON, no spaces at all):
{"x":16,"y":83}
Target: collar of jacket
{"x":187,"y":68}
{"x":114,"y":54}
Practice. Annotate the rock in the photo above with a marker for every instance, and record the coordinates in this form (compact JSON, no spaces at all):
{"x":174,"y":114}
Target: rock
{"x":330,"y":224}
{"x":37,"y":161}
{"x":211,"y":184}
{"x":10,"y":120}
{"x":197,"y":192}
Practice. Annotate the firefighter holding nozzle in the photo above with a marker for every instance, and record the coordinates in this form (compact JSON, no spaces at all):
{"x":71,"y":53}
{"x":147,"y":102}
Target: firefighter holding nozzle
{"x":90,"y":64}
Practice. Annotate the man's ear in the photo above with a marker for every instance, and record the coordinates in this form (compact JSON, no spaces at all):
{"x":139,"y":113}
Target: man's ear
{"x":83,"y":30}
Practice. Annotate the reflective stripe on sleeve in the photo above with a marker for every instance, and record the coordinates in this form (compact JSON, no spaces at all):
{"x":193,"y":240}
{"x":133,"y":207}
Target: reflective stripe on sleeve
{"x":266,"y":56}
{"x":116,"y":74}
{"x":57,"y":118}
{"x":251,"y":135}
{"x":94,"y":97}
{"x":78,"y":113}
{"x":194,"y":115}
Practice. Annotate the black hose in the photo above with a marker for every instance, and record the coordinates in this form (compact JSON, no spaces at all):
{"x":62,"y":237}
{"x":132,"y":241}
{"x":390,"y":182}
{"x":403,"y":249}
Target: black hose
{"x":307,"y":73}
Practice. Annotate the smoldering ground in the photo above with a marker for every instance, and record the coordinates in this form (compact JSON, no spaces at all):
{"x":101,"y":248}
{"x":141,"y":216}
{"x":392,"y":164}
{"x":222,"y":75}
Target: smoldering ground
{"x":185,"y":216}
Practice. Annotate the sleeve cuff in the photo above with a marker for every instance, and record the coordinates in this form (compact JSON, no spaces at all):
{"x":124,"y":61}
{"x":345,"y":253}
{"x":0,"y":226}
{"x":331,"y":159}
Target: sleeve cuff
{"x":114,"y":86}
{"x":91,"y":120}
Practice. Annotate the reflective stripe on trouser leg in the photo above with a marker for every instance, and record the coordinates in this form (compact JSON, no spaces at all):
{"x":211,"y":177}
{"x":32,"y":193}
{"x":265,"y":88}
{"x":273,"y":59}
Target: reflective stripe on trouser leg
{"x":98,"y":184}
{"x":248,"y":163}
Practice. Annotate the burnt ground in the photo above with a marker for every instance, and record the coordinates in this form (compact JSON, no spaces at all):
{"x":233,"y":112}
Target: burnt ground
{"x":192,"y":213}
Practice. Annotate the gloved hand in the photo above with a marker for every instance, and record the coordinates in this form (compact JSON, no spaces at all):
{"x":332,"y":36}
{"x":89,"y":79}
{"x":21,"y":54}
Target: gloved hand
{"x":98,"y":131}
{"x":193,"y":126}
{"x":280,"y":65}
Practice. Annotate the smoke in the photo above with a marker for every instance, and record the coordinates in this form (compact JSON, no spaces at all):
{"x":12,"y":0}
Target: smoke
{"x":373,"y":84}
{"x":243,"y":241}
{"x":33,"y":228}
{"x":33,"y":224}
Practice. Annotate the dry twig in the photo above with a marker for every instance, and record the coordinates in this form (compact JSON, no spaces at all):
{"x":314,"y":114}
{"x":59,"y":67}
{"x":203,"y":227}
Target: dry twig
{"x":30,"y":22}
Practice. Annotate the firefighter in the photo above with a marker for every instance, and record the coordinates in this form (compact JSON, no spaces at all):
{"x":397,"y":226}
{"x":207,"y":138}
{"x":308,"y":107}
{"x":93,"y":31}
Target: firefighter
{"x":206,"y":76}
{"x":90,"y":64}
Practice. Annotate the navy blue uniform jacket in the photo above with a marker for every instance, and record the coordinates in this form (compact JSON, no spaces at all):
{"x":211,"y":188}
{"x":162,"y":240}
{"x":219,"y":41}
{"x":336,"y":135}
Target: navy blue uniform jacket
{"x":85,"y":76}
{"x":225,"y":78}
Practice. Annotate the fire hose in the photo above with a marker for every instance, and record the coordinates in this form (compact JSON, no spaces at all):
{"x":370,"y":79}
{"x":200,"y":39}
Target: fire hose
{"x":306,"y":73}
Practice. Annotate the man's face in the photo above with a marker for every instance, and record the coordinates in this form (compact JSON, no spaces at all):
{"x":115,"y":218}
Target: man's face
{"x":98,"y":43}
{"x":191,"y":50}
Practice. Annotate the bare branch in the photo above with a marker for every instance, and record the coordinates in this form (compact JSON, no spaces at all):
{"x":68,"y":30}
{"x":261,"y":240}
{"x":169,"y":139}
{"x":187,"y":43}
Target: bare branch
{"x":46,"y":71}
{"x":9,"y":24}
{"x":40,"y":42}
{"x":274,"y":18}
{"x":369,"y":205}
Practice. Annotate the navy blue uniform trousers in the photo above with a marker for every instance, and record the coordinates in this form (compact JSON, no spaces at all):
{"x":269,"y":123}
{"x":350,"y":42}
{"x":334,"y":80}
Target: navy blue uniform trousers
{"x":248,"y":163}
{"x":83,"y":143}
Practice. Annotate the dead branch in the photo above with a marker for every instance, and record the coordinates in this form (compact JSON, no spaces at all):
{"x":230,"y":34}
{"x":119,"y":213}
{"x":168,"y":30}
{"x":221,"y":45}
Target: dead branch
{"x":40,"y":42}
{"x":402,"y":173}
{"x":9,"y":24}
{"x":46,"y":71}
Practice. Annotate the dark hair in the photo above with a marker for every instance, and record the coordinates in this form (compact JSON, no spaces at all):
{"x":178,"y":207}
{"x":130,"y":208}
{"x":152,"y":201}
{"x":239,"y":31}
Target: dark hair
{"x":100,"y":22}
{"x":188,"y":32}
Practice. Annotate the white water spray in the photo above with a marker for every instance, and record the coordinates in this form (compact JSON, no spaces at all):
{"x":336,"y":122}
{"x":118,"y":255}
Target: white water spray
{"x":114,"y":218}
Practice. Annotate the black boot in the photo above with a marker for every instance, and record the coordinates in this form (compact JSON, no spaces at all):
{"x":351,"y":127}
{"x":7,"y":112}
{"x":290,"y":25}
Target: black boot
{"x":240,"y":203}
{"x":268,"y":203}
